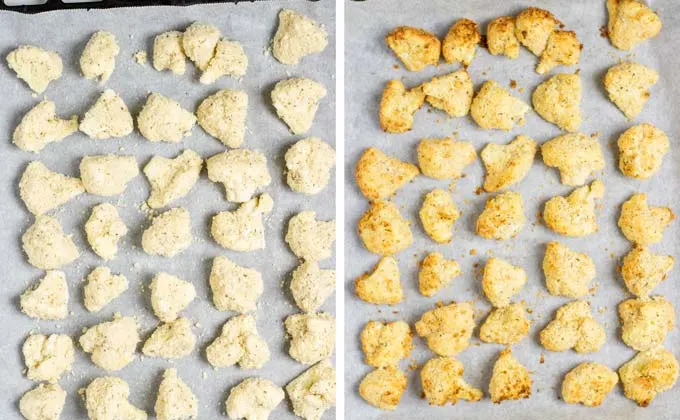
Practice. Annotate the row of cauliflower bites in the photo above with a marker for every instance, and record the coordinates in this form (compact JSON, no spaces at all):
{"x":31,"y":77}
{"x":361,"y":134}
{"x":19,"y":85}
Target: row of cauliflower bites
{"x":447,"y":329}
{"x":112,"y":345}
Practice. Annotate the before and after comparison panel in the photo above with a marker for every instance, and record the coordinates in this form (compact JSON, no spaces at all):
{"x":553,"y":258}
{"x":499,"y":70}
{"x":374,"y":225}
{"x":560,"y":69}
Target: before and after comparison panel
{"x":378,"y":209}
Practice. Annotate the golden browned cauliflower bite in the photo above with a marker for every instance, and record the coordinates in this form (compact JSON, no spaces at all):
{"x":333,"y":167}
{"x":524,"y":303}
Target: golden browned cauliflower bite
{"x":645,"y":322}
{"x":573,"y":328}
{"x":574,"y":215}
{"x":494,"y":108}
{"x":567,"y":273}
{"x":379,"y":176}
{"x":500,"y":37}
{"x":442,"y":381}
{"x":642,"y":271}
{"x":415,"y":47}
{"x":444,"y":158}
{"x":506,"y":325}
{"x":461,"y":42}
{"x":435,"y":273}
{"x":452,"y":93}
{"x":383,"y":387}
{"x":533,"y":27}
{"x":630,"y":23}
{"x":382,"y":285}
{"x":588,"y":384}
{"x":558,"y":100}
{"x":501,"y":281}
{"x":641,"y":150}
{"x":503,"y":217}
{"x":642,"y":224}
{"x":398,"y":106}
{"x":438,"y":214}
{"x":385,"y":344}
{"x":383,"y":230}
{"x":627,"y":85}
{"x":448,"y":328}
{"x":575,"y":155}
{"x":647,"y":374}
{"x":507,"y":164}
{"x":510,"y":380}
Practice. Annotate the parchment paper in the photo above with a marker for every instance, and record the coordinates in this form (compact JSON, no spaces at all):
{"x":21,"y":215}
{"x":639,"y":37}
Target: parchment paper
{"x":252,"y":24}
{"x":370,"y":65}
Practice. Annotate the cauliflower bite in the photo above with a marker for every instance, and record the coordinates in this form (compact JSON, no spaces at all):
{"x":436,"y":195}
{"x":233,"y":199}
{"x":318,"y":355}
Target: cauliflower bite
{"x":415,"y":47}
{"x":448,"y":328}
{"x":175,"y":400}
{"x":641,"y":150}
{"x":99,"y":56}
{"x":435,"y":273}
{"x":112,"y":344}
{"x":642,"y":271}
{"x":575,"y":214}
{"x":242,"y":172}
{"x":452,"y":93}
{"x":41,"y":126}
{"x":102,"y":287}
{"x":238,"y":343}
{"x":500,"y":37}
{"x":168,"y":52}
{"x":627,"y":85}
{"x":506,"y":325}
{"x":46,"y":245}
{"x":642,"y":224}
{"x":47,"y":358}
{"x":35,"y":66}
{"x":297,"y":37}
{"x":42,"y":189}
{"x":460,"y":43}
{"x":510,"y":380}
{"x":108,"y":117}
{"x":383,"y":387}
{"x":242,"y":229}
{"x":47,"y":299}
{"x":169,"y":233}
{"x":442,"y":382}
{"x":645,"y":322}
{"x":385,"y":344}
{"x":647,"y":374}
{"x":162,"y":119}
{"x":444,"y":158}
{"x":44,"y":402}
{"x":380,"y":176}
{"x":382,"y":285}
{"x":438,"y":214}
{"x":383,"y":230}
{"x":234,"y":288}
{"x":309,"y":238}
{"x":312,"y":336}
{"x":223,"y":116}
{"x":501,"y":281}
{"x":172,"y":179}
{"x":573,"y":328}
{"x":558,"y":100}
{"x":313,"y":392}
{"x":494,"y":108}
{"x":253,"y":399}
{"x":533,"y":27}
{"x":567,"y":273}
{"x":296,"y":101}
{"x":311,"y":286}
{"x":502,"y":218}
{"x":171,"y":340}
{"x":106,"y":398}
{"x":630,"y":23}
{"x":107,"y":175}
{"x":575,"y":155}
{"x":398,"y":106}
{"x":169,"y":296}
{"x":507,"y":164}
{"x":229,"y":60}
{"x":563,"y":48}
{"x":588,"y":384}
{"x":199,"y":42}
{"x":104,"y":229}
{"x":308,"y":165}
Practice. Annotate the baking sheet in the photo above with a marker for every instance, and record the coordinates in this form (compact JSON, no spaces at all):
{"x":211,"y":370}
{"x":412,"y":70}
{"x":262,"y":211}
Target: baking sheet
{"x":252,"y":24}
{"x":369,"y":65}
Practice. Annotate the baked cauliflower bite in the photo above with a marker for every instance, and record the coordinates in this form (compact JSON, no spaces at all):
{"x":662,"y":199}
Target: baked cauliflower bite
{"x":506,"y":325}
{"x":642,"y":271}
{"x":630,"y":23}
{"x":444,"y":158}
{"x":567,"y":273}
{"x":647,"y":374}
{"x":641,"y":223}
{"x":641,"y":150}
{"x":645,"y":322}
{"x":383,"y":387}
{"x":510,"y":380}
{"x":442,"y":381}
{"x":558,"y":100}
{"x":502,"y":217}
{"x":627,"y":85}
{"x":398,"y":106}
{"x":435,"y":273}
{"x":533,"y":27}
{"x":379,"y":175}
{"x":573,"y":328}
{"x":507,"y":164}
{"x":574,"y":215}
{"x":415,"y":47}
{"x":500,"y":37}
{"x":448,"y":328}
{"x":460,"y":43}
{"x":438,"y":214}
{"x":563,"y":48}
{"x":385,"y":344}
{"x":452,"y":93}
{"x":588,"y":384}
{"x":575,"y":155}
{"x":501,"y":281}
{"x":383,"y":230}
{"x":382,"y":285}
{"x":494,"y":108}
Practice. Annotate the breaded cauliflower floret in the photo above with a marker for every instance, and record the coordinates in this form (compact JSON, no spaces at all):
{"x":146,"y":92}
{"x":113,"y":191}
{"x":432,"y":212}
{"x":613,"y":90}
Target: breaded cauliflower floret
{"x":253,"y":399}
{"x":645,"y":322}
{"x":44,"y":402}
{"x":501,"y":281}
{"x":242,"y":172}
{"x":452,"y":93}
{"x":573,"y":328}
{"x":647,"y":374}
{"x":229,"y":60}
{"x":313,"y":391}
{"x":107,"y":175}
{"x":567,"y":272}
{"x":494,"y":108}
{"x":503,"y":217}
{"x":510,"y":380}
{"x":444,"y":158}
{"x":588,"y":384}
{"x":169,"y":233}
{"x":398,"y":106}
{"x":507,"y":164}
{"x":416,"y":48}
{"x":563,"y":48}
{"x":112,"y":344}
{"x":108,"y":117}
{"x":47,"y":358}
{"x":296,"y":101}
{"x":382,"y":285}
{"x":223,"y":116}
{"x":46,"y":245}
{"x":642,"y":224}
{"x":308,"y":165}
{"x":41,"y":126}
{"x":311,"y":286}
{"x":238,"y":342}
{"x":558,"y":100}
{"x":438,"y":214}
{"x":168,"y":52}
{"x":642,"y":271}
{"x":42,"y":189}
{"x":175,"y":399}
{"x":506,"y":325}
{"x":442,"y":382}
{"x":383,"y":387}
{"x":627,"y":85}
{"x":102,"y":287}
{"x":35,"y":66}
{"x":297,"y":36}
{"x":170,"y":295}
{"x":234,"y":288}
{"x":435,"y":273}
{"x":575,"y":214}
{"x":163,"y":119}
{"x":309,"y":238}
{"x":99,"y":56}
{"x":460,"y":43}
{"x":312,"y":336}
{"x":104,"y":229}
{"x":171,"y":340}
{"x":385,"y":344}
{"x":106,"y":398}
{"x":48,"y":298}
{"x":533,"y":27}
{"x":630,"y":23}
{"x":379,"y":176}
{"x":641,"y":150}
{"x":383,"y":230}
{"x":447,"y":329}
{"x":575,"y":155}
{"x":242,"y":229}
{"x":199,"y":41}
{"x":171,"y":179}
{"x":500,"y":37}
